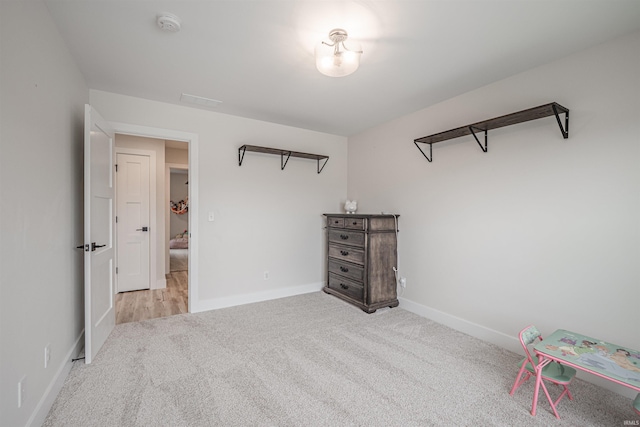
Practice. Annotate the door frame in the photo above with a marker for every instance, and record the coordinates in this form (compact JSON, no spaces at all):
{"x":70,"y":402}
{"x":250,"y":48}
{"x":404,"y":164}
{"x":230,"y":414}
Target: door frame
{"x":167,"y":187}
{"x":192,"y":140}
{"x":154,"y":283}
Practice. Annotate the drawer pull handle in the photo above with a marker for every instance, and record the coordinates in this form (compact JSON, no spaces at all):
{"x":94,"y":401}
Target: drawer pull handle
{"x":343,"y":286}
{"x":344,"y":269}
{"x":355,"y":223}
{"x":336,"y":222}
{"x":344,"y":253}
{"x":344,"y":236}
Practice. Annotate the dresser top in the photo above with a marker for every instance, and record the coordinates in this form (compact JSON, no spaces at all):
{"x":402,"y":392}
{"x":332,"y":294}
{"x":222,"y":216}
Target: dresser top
{"x":328,"y":215}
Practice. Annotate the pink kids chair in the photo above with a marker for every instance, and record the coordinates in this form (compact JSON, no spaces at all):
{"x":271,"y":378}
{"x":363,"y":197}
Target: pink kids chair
{"x":553,"y":372}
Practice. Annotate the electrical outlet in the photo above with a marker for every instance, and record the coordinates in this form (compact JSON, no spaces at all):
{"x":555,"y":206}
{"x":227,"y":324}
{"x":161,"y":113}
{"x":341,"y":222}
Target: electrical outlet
{"x":22,"y":391}
{"x":47,"y":355}
{"x":403,"y":282}
{"x":266,"y":275}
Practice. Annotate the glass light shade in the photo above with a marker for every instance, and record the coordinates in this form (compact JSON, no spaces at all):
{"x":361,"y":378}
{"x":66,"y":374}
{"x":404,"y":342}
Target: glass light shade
{"x":337,"y":62}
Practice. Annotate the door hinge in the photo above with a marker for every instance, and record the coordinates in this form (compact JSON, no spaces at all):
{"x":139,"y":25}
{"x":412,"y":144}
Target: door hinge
{"x":116,"y":270}
{"x":116,"y":219}
{"x":116,"y":167}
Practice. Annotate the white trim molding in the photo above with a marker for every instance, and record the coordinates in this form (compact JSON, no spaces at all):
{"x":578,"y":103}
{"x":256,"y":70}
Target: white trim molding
{"x":462,"y":325}
{"x":232,"y":301}
{"x":192,"y":139}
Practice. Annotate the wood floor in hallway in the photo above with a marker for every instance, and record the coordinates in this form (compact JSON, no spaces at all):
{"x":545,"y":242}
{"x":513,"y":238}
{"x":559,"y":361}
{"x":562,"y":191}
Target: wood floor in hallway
{"x":149,"y":304}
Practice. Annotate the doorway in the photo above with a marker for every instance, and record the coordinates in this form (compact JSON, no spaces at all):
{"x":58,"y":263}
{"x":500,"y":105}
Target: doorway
{"x":178,"y":218}
{"x":167,"y":292}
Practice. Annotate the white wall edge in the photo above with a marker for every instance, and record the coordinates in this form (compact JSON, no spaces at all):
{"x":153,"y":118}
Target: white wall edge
{"x":217,"y":303}
{"x":151,"y":132}
{"x":498,"y":338}
{"x":160,"y":284}
{"x":51,"y":392}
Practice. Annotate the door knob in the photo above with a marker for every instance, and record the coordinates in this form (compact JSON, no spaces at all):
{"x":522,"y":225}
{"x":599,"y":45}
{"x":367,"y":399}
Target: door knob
{"x":142,"y":229}
{"x":94,"y":246}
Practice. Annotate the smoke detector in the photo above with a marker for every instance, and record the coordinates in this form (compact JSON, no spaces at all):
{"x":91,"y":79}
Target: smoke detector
{"x":168,"y":22}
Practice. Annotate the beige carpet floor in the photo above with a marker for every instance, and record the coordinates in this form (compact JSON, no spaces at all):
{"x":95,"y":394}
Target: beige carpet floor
{"x":310,"y":360}
{"x":178,"y":259}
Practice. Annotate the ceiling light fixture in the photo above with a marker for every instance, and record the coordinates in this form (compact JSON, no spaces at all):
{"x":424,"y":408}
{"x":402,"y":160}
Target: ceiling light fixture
{"x":335,"y":59}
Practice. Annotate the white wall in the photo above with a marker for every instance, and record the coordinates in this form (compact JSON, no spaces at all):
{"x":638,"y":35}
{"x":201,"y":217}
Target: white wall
{"x":42,"y":97}
{"x":265,"y":219}
{"x":176,"y":155}
{"x":539,"y":229}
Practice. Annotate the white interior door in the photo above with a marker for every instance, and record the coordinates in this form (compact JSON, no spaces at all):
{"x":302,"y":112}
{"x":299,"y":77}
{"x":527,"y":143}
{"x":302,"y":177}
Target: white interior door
{"x":132,"y":184}
{"x":99,"y":215}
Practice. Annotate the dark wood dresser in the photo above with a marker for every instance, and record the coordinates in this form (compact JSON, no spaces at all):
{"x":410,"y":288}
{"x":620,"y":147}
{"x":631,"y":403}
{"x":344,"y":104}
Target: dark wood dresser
{"x":361,"y":254}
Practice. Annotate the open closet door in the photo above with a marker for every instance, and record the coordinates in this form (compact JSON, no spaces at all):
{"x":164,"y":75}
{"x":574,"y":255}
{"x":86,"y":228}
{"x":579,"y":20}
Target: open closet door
{"x":99,"y":224}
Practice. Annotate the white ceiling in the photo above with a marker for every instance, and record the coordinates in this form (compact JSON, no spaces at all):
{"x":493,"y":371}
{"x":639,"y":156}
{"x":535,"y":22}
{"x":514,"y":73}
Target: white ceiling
{"x":257,"y":56}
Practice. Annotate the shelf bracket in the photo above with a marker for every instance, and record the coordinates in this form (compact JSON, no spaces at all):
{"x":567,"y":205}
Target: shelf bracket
{"x":323,"y":165}
{"x":565,"y":129}
{"x":430,"y":150}
{"x":535,"y":113}
{"x":283,"y":162}
{"x":285,"y":155}
{"x":242,"y":150}
{"x":478,"y":141}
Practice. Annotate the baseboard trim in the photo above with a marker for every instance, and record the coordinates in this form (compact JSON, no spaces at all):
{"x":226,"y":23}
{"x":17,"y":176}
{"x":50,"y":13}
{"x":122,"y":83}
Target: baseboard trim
{"x":475,"y":330}
{"x":217,"y":303}
{"x":498,"y":338}
{"x":46,"y":402}
{"x":160,"y":284}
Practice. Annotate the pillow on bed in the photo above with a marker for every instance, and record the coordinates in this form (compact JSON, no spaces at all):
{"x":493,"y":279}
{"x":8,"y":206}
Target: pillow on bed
{"x":179,"y":243}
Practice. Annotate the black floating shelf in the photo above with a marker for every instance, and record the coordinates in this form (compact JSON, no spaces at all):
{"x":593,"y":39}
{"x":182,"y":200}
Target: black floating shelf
{"x":284,"y":155}
{"x":552,"y":109}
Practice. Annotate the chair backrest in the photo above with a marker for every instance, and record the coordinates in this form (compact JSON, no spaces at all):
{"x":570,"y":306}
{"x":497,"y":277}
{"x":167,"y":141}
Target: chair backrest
{"x":527,"y":336}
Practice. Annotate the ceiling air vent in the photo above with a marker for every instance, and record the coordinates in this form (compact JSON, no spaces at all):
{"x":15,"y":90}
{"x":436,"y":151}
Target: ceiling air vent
{"x":199,"y":100}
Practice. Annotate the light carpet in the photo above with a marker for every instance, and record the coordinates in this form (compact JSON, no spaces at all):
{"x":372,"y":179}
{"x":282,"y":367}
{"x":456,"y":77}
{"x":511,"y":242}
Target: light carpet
{"x":178,"y":259}
{"x":311,"y":360}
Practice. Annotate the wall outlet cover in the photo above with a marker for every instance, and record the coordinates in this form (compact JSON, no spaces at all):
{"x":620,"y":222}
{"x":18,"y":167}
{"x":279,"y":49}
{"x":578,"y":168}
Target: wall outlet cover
{"x":47,"y":355}
{"x":22,"y":391}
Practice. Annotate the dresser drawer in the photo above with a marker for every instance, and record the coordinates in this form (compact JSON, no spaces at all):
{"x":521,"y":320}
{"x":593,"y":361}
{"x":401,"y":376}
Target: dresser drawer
{"x":335,"y":222}
{"x":345,"y":237}
{"x":346,"y":287}
{"x":347,"y":254}
{"x":354,"y":223}
{"x":345,"y":269}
